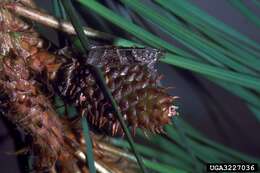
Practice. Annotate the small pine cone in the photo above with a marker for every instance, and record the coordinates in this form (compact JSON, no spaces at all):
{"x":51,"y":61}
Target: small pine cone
{"x":133,"y":81}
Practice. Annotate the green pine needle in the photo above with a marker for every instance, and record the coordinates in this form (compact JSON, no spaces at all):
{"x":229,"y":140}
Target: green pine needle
{"x":177,"y":60}
{"x":84,"y":42}
{"x":89,"y":150}
{"x":102,"y":84}
{"x":239,"y":4}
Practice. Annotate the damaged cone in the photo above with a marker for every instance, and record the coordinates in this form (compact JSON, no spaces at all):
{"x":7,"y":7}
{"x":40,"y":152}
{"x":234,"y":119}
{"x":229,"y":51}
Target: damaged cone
{"x":133,"y":81}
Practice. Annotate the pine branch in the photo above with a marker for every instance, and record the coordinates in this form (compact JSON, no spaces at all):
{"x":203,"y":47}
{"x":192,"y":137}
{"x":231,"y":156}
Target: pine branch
{"x":53,"y":22}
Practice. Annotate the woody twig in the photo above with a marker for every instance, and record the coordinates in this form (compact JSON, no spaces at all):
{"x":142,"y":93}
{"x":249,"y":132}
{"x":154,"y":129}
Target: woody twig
{"x":48,"y":20}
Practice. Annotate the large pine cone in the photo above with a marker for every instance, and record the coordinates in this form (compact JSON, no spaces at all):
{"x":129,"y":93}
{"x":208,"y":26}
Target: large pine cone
{"x":133,"y":81}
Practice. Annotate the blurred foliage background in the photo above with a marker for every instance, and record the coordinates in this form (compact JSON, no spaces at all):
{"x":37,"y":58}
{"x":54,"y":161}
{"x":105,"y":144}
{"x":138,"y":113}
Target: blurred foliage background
{"x":212,"y":61}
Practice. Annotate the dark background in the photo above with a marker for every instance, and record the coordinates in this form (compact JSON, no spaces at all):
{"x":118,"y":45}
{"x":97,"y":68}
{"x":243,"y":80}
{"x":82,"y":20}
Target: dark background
{"x":230,"y":123}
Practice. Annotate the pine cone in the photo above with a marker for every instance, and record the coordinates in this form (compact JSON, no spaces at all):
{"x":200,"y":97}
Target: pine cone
{"x":23,"y":102}
{"x":133,"y":81}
